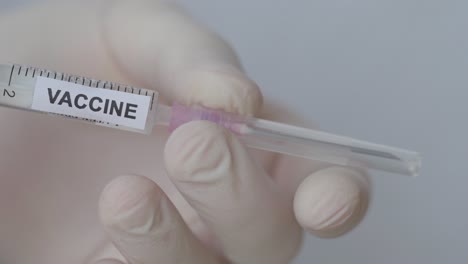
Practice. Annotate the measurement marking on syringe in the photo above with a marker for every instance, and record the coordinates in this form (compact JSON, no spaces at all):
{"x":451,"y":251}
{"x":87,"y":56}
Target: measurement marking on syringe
{"x":11,"y":75}
{"x":19,"y":70}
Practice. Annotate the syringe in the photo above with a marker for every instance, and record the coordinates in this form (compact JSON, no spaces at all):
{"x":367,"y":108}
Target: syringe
{"x":135,"y":109}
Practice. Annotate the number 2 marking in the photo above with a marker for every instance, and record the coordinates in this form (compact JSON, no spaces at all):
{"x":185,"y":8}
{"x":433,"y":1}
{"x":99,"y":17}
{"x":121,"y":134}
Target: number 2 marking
{"x":9,"y":93}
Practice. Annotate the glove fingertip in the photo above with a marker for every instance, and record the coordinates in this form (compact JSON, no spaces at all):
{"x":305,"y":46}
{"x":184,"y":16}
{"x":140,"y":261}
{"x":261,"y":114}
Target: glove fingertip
{"x":331,"y":202}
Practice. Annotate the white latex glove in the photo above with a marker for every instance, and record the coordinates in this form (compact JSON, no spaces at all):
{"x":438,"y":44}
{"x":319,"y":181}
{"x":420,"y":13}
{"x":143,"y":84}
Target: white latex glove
{"x":221,"y":202}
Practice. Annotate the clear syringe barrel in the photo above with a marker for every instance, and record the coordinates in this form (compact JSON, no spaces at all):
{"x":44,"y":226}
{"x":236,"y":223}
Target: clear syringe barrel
{"x":20,"y":86}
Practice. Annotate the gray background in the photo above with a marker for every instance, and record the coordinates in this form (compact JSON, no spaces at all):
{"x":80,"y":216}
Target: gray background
{"x":392,"y":72}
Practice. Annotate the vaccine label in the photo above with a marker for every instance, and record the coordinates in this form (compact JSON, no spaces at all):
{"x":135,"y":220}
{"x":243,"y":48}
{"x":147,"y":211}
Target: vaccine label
{"x":65,"y":98}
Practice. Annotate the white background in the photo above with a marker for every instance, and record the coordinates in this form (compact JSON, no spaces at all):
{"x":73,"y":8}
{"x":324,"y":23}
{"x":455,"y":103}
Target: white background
{"x":393,"y":72}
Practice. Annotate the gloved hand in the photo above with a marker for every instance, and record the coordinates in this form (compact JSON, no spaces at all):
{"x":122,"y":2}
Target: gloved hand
{"x":195,"y":196}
